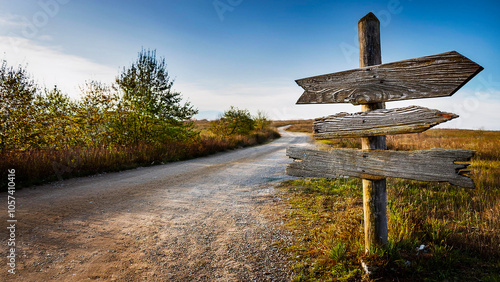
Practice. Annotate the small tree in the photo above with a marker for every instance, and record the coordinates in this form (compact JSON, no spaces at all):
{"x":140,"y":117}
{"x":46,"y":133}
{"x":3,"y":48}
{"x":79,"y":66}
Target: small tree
{"x":55,"y":119}
{"x":96,"y":111}
{"x":147,"y":86}
{"x":154,"y":110}
{"x":233,"y":121}
{"x":261,"y":121}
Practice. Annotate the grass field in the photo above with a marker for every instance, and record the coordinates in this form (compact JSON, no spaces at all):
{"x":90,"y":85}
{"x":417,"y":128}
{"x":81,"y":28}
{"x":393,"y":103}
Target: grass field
{"x":437,"y":231}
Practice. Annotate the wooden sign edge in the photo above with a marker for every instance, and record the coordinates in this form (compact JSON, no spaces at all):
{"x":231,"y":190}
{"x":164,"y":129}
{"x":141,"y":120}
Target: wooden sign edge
{"x":479,"y":68}
{"x":459,"y":164}
{"x":404,"y":127}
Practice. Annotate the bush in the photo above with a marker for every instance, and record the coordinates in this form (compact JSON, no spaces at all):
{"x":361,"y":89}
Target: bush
{"x":233,"y":122}
{"x":17,"y":109}
{"x":261,"y":121}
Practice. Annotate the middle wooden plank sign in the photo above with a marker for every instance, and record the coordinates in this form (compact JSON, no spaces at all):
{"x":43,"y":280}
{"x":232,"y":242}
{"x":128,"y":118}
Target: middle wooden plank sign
{"x":411,"y":119}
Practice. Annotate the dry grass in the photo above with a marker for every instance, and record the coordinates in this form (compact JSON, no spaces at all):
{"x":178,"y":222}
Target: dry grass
{"x":39,"y":166}
{"x":301,"y":125}
{"x":202,"y":124}
{"x":486,"y":143}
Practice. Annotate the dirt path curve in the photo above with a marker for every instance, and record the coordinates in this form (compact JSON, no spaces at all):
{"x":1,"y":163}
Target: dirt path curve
{"x":195,"y":220}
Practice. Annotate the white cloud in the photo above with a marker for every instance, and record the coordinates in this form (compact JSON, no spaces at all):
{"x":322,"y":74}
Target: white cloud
{"x":12,"y":21}
{"x":276,"y":98}
{"x":475,"y":111}
{"x":45,"y":37}
{"x":50,"y":66}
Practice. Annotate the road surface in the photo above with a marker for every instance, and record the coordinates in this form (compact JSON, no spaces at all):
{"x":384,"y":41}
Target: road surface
{"x":196,"y":220}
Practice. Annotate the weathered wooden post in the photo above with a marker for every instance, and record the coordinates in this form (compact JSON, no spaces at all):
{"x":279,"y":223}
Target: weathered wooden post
{"x":372,"y":85}
{"x":374,"y":191}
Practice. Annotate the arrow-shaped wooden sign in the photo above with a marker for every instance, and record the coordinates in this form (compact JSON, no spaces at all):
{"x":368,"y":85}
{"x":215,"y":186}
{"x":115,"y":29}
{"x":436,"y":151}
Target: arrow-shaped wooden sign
{"x":372,"y":85}
{"x":432,"y":76}
{"x":426,"y":165}
{"x":411,"y":119}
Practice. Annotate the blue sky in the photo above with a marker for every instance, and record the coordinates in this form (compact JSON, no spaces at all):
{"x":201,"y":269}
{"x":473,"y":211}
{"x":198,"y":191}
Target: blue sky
{"x":248,"y":53}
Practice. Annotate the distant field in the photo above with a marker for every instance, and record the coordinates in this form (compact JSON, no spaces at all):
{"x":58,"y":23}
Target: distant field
{"x":458,"y":229}
{"x":302,"y":125}
{"x":201,"y":124}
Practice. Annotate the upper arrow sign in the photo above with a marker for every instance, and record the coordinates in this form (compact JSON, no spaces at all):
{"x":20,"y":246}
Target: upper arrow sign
{"x":432,"y":76}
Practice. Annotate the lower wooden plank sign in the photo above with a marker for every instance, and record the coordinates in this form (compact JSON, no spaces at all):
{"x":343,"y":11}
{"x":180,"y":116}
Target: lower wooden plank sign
{"x":413,"y":119}
{"x":426,"y":165}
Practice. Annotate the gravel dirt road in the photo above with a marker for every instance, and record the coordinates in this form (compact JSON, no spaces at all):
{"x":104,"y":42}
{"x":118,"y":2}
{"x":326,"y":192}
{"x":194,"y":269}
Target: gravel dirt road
{"x":196,"y":220}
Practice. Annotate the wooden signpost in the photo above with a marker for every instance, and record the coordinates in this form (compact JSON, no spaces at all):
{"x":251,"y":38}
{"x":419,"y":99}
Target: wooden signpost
{"x":372,"y":85}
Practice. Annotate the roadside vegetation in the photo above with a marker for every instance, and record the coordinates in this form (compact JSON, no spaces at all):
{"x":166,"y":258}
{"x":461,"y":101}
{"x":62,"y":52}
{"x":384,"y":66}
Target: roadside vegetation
{"x":139,"y":120}
{"x":437,"y":232}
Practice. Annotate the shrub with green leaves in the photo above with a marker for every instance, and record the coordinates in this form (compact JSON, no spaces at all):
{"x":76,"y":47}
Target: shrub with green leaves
{"x":234,"y":121}
{"x":262,"y":121}
{"x":17,"y":110}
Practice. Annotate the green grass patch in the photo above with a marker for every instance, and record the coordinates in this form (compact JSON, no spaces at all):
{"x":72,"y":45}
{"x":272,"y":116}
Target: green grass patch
{"x":436,"y":232}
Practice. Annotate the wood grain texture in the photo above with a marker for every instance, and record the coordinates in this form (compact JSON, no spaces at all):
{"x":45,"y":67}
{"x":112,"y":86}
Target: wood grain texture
{"x":375,"y":213}
{"x":369,"y":41}
{"x":437,"y":165}
{"x":432,"y":76}
{"x":413,"y":119}
{"x":370,"y":54}
{"x":374,"y":191}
